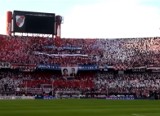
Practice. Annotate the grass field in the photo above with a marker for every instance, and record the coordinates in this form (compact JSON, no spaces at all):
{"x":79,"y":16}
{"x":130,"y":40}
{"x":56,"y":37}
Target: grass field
{"x":77,"y":107}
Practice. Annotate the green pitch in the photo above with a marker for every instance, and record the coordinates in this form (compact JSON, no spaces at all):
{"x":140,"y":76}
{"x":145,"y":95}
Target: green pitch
{"x":77,"y":107}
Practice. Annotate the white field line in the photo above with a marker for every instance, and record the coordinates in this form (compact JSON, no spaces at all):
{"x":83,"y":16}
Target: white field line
{"x":137,"y":115}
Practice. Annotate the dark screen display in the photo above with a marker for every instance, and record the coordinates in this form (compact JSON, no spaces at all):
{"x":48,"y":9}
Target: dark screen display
{"x":37,"y":24}
{"x":33,"y":22}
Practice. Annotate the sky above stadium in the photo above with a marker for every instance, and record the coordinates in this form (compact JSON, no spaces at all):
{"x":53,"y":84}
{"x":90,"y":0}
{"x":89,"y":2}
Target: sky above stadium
{"x":95,"y":18}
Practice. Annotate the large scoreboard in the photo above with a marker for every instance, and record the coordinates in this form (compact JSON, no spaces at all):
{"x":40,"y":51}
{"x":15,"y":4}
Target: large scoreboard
{"x":34,"y":22}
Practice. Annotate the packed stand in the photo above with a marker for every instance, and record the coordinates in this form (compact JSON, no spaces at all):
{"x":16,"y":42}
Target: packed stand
{"x":140,"y":85}
{"x":35,"y":50}
{"x":131,"y":52}
{"x":38,"y":83}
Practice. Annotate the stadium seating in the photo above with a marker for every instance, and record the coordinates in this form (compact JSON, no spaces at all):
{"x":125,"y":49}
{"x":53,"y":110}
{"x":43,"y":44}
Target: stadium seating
{"x":120,"y":54}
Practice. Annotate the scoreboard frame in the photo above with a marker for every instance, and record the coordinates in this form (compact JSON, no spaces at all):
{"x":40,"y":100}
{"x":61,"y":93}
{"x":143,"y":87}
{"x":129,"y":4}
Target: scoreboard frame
{"x":21,"y":20}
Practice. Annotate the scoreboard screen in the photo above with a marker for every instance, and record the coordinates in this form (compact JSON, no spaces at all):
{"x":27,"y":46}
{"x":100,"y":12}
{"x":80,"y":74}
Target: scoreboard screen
{"x":34,"y":22}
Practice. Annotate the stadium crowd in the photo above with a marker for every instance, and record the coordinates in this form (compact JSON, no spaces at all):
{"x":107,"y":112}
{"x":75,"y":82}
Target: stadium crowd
{"x":119,"y":53}
{"x":140,"y":85}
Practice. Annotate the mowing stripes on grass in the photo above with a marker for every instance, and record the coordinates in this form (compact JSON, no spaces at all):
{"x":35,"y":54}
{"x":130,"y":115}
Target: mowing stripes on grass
{"x":79,"y":107}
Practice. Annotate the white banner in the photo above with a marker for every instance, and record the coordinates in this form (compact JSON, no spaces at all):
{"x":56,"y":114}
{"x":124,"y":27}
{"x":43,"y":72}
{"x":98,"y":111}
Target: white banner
{"x":60,"y":55}
{"x":69,"y":71}
{"x":15,"y":97}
